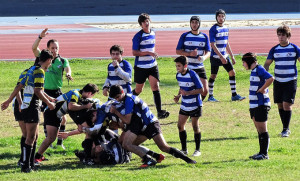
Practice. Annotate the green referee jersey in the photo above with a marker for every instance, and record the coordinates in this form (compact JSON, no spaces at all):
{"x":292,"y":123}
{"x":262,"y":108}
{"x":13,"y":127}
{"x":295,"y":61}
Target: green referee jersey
{"x":54,"y":74}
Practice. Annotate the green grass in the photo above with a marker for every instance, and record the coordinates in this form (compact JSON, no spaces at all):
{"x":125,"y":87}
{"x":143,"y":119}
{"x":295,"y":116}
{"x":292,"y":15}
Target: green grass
{"x":228,"y":134}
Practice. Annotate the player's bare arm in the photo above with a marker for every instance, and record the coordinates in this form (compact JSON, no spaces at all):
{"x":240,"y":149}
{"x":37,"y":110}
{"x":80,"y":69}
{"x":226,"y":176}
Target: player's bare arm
{"x":267,"y":64}
{"x":40,"y":94}
{"x":228,"y":48}
{"x":35,"y":47}
{"x":125,"y":118}
{"x":268,"y":82}
{"x":139,"y":53}
{"x":17,"y":89}
{"x":185,"y":53}
{"x":72,"y":106}
{"x":214,"y":47}
{"x":192,"y":92}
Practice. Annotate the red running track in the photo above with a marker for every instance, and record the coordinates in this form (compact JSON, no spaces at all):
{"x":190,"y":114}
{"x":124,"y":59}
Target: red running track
{"x":97,"y":44}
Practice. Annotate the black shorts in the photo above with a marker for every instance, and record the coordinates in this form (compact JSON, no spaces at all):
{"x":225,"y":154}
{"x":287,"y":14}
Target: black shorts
{"x":51,"y":93}
{"x":137,"y":127}
{"x":17,"y":113}
{"x":284,"y":91}
{"x":195,"y":113}
{"x":50,"y":118}
{"x":201,"y":73}
{"x":260,"y":113}
{"x":31,"y":114}
{"x":216,"y":62}
{"x":81,"y":116}
{"x":141,"y":74}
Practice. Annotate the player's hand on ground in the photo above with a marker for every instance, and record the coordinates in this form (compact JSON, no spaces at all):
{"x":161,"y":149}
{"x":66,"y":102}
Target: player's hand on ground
{"x":105,"y":91}
{"x":63,"y":135}
{"x":194,"y":53}
{"x":4,"y":105}
{"x":51,"y":106}
{"x":233,"y":60}
{"x":223,"y":60}
{"x":44,"y":33}
{"x":176,"y":98}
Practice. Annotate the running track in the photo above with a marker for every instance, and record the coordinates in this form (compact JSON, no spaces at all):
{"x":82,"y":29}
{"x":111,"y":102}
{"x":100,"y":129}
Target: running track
{"x":17,"y":46}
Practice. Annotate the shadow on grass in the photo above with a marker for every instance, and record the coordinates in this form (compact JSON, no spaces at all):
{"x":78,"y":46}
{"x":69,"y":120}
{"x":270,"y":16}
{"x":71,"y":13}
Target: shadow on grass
{"x":210,"y":139}
{"x":9,"y":156}
{"x":226,"y":161}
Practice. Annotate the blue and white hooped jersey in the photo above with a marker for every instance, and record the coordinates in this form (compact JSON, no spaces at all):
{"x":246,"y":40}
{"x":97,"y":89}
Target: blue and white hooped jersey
{"x":114,"y":77}
{"x":258,"y":77}
{"x":104,"y":116}
{"x":144,"y":42}
{"x":189,"y":81}
{"x":189,"y":42}
{"x":285,"y":62}
{"x":133,"y":104}
{"x":219,"y":35}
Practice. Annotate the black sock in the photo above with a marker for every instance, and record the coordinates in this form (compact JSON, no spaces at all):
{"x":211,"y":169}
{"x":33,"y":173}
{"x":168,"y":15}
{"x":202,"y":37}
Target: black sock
{"x":178,"y":154}
{"x":27,"y":149}
{"x":22,"y":142}
{"x":32,"y":155}
{"x":37,"y":155}
{"x":87,"y":145}
{"x":45,"y":130}
{"x":61,"y":129}
{"x":287,"y":119}
{"x":146,"y":158}
{"x":183,"y":136}
{"x":281,"y":114}
{"x":232,"y":84}
{"x":264,"y":141}
{"x":153,"y":154}
{"x":211,"y":86}
{"x":197,"y":137}
{"x":157,"y":100}
{"x":134,"y":93}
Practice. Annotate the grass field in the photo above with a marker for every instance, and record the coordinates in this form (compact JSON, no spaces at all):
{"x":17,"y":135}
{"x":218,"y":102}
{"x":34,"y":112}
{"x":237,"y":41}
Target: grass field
{"x":228,"y":134}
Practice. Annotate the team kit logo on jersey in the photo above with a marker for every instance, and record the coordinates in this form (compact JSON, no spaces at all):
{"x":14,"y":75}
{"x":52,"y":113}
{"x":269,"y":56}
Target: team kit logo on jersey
{"x":289,"y":54}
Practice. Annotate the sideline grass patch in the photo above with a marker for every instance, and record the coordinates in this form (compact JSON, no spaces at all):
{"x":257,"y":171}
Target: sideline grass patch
{"x":228,"y":134}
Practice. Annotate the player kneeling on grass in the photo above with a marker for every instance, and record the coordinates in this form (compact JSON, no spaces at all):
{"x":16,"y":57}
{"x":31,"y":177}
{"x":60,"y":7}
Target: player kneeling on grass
{"x":141,"y":125}
{"x":191,"y":102}
{"x":65,"y":103}
{"x":259,"y":100}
